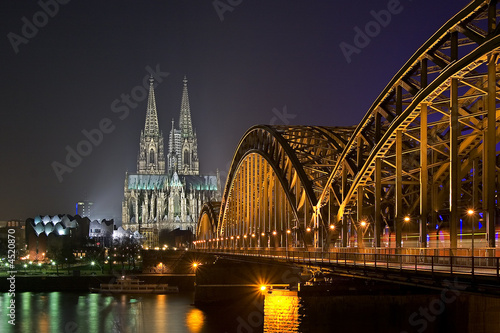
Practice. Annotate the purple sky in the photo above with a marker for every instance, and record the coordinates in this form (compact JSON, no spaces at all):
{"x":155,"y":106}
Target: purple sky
{"x":245,"y":64}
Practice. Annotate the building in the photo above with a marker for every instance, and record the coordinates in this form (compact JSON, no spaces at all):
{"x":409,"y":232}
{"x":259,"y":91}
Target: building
{"x":167,"y":192}
{"x":101,"y":231}
{"x":84,"y":208}
{"x":8,"y":229}
{"x":58,"y":233}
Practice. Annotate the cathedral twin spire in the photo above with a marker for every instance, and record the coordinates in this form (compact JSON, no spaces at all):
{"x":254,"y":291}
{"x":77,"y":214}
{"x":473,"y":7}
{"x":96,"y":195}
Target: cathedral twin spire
{"x":151,"y":127}
{"x":182,"y":148}
{"x":185,"y":124}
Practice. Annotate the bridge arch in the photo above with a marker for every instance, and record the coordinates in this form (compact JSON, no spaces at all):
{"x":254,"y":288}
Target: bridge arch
{"x":425,"y":151}
{"x":273,"y":183}
{"x":206,"y":229}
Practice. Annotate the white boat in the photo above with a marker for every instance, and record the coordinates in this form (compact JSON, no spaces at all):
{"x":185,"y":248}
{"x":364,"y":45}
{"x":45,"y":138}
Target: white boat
{"x":127,"y":285}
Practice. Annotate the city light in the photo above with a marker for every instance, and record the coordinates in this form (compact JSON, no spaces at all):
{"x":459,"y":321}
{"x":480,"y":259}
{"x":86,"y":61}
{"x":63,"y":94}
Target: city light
{"x":308,"y":229}
{"x":275,"y":233}
{"x":363,"y":224}
{"x":470,"y":212}
{"x":263,"y":288}
{"x":288,"y":231}
{"x":407,"y":219}
{"x":332,"y":227}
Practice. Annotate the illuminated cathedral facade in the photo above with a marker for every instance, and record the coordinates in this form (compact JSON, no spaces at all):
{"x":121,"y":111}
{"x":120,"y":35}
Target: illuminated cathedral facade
{"x":167,"y":192}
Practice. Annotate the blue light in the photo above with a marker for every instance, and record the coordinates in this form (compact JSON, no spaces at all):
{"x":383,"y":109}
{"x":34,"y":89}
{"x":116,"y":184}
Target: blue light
{"x":76,"y":208}
{"x":461,"y":228}
{"x":437,"y":227}
{"x":480,"y":225}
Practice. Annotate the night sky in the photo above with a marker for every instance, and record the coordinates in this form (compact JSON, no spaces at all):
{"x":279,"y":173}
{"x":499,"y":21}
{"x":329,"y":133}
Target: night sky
{"x":247,"y":63}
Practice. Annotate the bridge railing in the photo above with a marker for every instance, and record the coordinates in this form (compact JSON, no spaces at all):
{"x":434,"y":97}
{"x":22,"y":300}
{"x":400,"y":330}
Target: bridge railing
{"x":467,"y":265}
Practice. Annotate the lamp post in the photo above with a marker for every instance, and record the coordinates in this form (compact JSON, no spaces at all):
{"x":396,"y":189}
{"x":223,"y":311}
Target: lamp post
{"x":93,"y":264}
{"x":363,"y":227}
{"x":406,"y":221}
{"x":471,"y":213}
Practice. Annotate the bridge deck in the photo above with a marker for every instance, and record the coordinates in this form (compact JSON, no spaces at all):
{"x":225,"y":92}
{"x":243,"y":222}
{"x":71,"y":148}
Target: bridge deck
{"x":451,"y":265}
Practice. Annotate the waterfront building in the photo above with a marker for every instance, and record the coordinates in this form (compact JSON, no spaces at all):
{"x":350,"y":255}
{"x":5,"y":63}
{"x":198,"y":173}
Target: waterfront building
{"x":61,"y":232}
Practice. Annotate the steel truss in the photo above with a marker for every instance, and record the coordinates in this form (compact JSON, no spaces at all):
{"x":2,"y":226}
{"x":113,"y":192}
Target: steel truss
{"x":425,"y":151}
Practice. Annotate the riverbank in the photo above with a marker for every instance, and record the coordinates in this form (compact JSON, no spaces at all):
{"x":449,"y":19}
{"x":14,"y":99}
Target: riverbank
{"x":69,"y":283}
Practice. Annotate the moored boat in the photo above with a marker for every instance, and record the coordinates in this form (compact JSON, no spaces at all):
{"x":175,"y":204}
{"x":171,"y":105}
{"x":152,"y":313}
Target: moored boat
{"x":127,"y":285}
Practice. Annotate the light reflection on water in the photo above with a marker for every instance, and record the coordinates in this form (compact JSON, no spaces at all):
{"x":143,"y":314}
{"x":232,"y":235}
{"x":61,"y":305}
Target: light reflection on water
{"x":278,"y":312}
{"x":73,"y":312}
{"x":281,"y":312}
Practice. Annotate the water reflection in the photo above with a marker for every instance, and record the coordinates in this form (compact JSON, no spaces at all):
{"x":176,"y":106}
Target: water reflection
{"x":281,"y":312}
{"x":195,"y":319}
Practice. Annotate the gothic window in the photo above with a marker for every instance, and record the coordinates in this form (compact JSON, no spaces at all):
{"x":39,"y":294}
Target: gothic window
{"x":186,"y":157}
{"x":151,"y":156}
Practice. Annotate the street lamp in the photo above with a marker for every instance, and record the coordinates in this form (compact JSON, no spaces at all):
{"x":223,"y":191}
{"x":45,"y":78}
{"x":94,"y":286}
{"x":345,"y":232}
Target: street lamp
{"x":57,"y":267}
{"x":471,"y":213}
{"x":93,"y":264}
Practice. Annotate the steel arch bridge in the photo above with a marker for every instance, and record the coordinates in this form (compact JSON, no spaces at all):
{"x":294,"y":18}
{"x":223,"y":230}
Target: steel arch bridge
{"x":422,"y":156}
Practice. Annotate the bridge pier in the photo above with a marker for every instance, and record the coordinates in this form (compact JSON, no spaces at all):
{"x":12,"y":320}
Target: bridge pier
{"x":230,"y":280}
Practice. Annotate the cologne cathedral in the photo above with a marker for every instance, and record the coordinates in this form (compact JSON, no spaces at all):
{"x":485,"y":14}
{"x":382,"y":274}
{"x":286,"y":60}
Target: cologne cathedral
{"x":167,"y":192}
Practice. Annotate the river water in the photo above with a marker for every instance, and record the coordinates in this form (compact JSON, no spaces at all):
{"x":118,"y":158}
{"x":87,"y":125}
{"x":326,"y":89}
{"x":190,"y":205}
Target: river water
{"x":270,"y":313}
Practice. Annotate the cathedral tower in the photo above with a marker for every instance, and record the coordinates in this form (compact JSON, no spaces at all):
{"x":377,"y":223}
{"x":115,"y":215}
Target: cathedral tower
{"x":183,"y":145}
{"x":151,"y":158}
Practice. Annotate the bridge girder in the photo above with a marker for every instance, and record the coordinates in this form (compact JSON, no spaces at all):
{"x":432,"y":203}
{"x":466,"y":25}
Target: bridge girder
{"x":426,"y":149}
